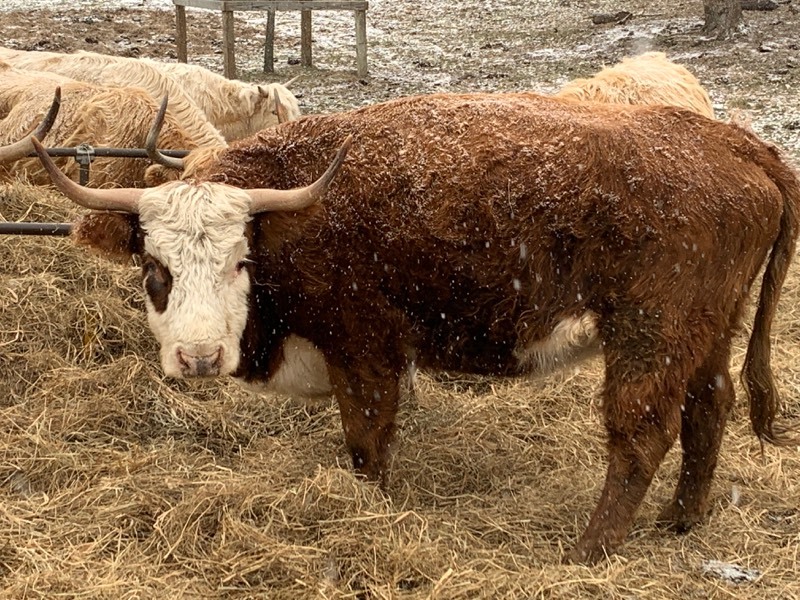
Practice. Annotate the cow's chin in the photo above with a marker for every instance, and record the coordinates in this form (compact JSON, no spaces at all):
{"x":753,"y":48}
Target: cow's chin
{"x":174,"y":367}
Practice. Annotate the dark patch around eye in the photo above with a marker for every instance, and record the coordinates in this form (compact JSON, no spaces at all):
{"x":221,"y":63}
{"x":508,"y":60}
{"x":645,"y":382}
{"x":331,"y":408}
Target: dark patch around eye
{"x":157,"y":283}
{"x":242,"y":265}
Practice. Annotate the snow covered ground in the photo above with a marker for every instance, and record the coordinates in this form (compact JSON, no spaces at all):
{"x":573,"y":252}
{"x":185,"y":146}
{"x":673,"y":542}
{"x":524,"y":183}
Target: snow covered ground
{"x":9,"y":5}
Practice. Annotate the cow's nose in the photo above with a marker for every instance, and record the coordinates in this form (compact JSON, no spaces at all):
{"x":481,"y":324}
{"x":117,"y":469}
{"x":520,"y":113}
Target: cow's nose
{"x":200,"y":364}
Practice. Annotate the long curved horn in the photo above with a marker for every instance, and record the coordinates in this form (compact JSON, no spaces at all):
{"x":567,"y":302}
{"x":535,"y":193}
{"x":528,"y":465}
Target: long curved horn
{"x":268,"y":200}
{"x":280,"y":109}
{"x":291,"y":81}
{"x":24,"y":147}
{"x":152,"y":137}
{"x":122,"y":199}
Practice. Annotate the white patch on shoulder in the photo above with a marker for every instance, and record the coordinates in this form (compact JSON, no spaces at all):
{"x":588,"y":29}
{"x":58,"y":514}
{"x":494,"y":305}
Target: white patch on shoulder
{"x":302,"y":374}
{"x":573,"y":339}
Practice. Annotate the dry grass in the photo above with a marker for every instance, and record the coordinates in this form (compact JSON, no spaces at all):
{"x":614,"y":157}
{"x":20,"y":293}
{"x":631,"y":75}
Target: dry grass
{"x":117,"y":484}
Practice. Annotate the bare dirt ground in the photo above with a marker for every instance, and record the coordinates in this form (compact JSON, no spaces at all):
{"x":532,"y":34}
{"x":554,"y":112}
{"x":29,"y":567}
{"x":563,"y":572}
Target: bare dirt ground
{"x":115,"y":483}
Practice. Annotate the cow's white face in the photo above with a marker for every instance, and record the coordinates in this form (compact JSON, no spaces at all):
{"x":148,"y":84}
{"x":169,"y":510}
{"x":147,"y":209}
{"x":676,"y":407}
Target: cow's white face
{"x":196,"y":286}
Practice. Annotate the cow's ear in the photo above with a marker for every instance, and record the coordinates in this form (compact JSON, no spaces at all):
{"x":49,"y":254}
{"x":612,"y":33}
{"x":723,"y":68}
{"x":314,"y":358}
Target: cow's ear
{"x":116,"y":236}
{"x":157,"y":174}
{"x":270,"y":230}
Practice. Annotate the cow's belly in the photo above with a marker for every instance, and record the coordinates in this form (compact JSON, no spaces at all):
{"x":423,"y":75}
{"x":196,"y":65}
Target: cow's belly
{"x":303,"y":372}
{"x":572,"y":340}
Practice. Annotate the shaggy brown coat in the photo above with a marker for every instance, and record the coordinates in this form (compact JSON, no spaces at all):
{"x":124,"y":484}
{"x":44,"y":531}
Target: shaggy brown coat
{"x":462,"y":229}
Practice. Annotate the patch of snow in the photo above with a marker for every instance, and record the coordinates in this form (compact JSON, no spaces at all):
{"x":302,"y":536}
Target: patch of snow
{"x":9,"y":5}
{"x":730,"y":572}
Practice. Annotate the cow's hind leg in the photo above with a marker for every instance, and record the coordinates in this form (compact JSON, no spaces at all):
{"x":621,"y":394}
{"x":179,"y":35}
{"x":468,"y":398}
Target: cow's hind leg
{"x":642,"y":415}
{"x":709,"y":398}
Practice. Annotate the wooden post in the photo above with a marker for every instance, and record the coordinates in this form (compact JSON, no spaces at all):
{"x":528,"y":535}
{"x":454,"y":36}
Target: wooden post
{"x":269,"y":43}
{"x":228,"y":39}
{"x":180,"y":33}
{"x":305,"y":38}
{"x":361,"y":42}
{"x":306,"y":8}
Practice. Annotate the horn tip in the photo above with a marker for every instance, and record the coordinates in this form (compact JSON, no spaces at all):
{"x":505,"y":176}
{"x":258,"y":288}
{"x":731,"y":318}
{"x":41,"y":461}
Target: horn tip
{"x":348,"y":141}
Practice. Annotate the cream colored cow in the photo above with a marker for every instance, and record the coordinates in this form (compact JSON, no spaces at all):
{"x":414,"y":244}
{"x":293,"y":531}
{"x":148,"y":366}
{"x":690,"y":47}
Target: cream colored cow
{"x":118,"y":71}
{"x":649,"y":78}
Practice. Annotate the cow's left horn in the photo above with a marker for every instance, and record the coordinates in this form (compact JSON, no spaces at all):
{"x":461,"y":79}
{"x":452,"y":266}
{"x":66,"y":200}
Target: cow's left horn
{"x":291,"y":81}
{"x":269,"y":200}
{"x":24,"y":147}
{"x":280,"y":110}
{"x":152,"y":138}
{"x":122,"y":199}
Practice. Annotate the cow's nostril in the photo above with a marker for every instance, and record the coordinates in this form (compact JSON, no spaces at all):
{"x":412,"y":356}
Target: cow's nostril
{"x":216,"y":358}
{"x":184,"y":359}
{"x":201,"y":364}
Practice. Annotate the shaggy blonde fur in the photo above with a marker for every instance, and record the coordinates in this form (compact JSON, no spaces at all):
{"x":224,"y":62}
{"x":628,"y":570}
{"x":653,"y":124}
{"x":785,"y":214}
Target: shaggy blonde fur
{"x":101,"y":116}
{"x":238,"y":109}
{"x":649,"y":78}
{"x":119,"y":71}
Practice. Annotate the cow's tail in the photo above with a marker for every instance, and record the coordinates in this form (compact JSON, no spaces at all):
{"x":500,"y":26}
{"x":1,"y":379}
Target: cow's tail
{"x":756,"y":373}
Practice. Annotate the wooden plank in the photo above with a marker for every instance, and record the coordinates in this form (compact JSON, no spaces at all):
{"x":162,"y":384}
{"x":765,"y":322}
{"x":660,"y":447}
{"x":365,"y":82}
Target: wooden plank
{"x":269,"y":44}
{"x":305,"y":38}
{"x":361,"y":43}
{"x":248,"y":5}
{"x":228,"y":39}
{"x":180,"y":33}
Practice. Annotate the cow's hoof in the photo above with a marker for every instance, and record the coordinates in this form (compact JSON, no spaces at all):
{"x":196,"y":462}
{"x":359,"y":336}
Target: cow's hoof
{"x":676,"y":518}
{"x":582,"y":555}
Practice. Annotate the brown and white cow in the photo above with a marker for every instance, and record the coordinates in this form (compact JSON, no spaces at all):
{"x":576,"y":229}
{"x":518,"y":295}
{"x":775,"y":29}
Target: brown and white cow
{"x":482,"y":233}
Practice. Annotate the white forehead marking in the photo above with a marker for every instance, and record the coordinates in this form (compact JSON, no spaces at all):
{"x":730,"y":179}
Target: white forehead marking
{"x":201,"y":222}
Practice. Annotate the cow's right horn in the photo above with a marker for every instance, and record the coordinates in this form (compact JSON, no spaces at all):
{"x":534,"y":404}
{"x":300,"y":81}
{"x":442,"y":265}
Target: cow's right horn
{"x":121,"y":199}
{"x":24,"y":146}
{"x":269,"y":200}
{"x":291,"y":81}
{"x":280,"y":110}
{"x":152,"y":138}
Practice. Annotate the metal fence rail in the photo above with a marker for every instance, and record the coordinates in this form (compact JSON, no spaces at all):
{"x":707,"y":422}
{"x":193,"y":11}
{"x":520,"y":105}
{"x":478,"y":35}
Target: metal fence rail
{"x":54,"y":229}
{"x":84,"y":155}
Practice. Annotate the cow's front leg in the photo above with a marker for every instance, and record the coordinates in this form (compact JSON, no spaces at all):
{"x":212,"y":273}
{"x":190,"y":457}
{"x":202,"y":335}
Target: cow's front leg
{"x":368,"y":406}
